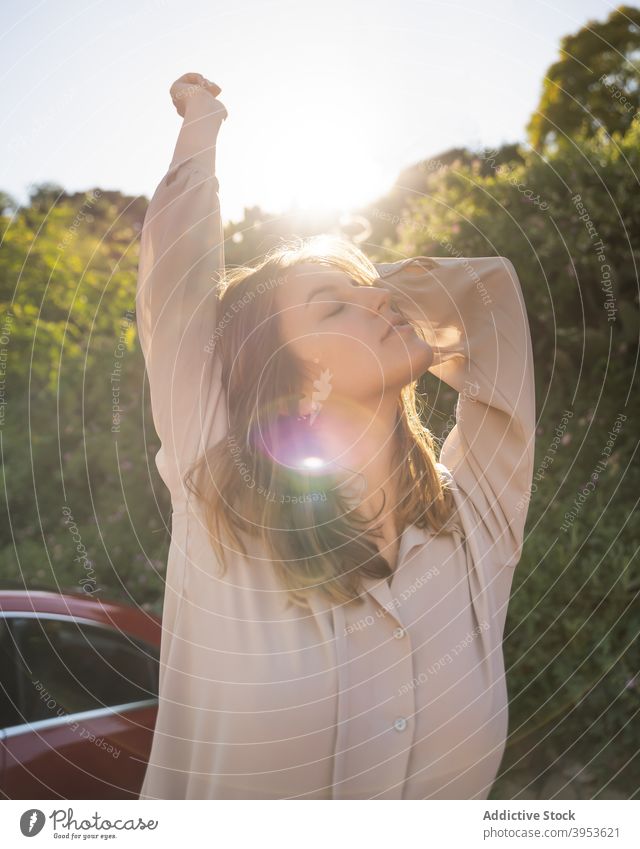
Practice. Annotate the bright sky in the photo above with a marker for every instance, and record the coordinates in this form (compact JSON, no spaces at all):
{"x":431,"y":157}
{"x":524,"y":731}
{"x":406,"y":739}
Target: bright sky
{"x":327,"y":100}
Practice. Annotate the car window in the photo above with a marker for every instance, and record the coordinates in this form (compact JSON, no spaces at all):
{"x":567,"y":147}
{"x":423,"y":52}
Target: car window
{"x":63,"y":667}
{"x":9,"y":699}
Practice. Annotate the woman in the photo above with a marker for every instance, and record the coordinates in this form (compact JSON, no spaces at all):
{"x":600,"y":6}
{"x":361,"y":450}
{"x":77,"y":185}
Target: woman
{"x":335,"y":597}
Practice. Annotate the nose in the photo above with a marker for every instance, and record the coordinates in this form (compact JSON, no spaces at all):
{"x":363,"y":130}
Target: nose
{"x":384,"y":302}
{"x":384,"y":306}
{"x":381,"y":297}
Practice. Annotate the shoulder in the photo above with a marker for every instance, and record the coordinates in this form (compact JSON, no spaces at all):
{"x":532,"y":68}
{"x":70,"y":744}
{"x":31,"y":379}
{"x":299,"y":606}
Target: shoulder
{"x":454,"y":522}
{"x":445,"y":475}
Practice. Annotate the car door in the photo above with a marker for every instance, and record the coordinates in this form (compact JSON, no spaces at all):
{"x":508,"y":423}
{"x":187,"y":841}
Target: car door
{"x":78,"y":702}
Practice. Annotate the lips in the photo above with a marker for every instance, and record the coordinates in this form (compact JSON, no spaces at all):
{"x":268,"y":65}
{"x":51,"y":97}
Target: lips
{"x":396,"y":322}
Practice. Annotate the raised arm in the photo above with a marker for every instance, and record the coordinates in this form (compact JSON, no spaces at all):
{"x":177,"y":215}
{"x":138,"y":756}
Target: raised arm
{"x":472,"y":312}
{"x":181,"y":257}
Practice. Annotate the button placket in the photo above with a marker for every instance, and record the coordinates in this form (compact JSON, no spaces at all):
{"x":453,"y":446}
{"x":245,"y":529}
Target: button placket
{"x":400,"y":712}
{"x":375,"y":739}
{"x":371,"y":756}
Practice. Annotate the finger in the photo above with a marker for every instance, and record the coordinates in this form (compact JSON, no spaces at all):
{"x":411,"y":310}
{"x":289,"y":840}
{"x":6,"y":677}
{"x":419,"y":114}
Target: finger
{"x":184,"y":85}
{"x":212,"y":87}
{"x":192,"y":78}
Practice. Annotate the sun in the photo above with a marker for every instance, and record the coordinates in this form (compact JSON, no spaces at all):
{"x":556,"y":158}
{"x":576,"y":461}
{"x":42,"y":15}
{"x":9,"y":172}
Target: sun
{"x":325,"y":166}
{"x":334,"y":172}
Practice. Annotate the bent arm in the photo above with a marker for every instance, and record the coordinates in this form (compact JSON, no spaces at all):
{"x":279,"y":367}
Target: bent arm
{"x":472,"y":312}
{"x":181,"y":258}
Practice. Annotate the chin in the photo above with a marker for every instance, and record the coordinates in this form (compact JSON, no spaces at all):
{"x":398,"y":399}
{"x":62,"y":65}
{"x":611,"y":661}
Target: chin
{"x":411,"y":363}
{"x":426,"y":354}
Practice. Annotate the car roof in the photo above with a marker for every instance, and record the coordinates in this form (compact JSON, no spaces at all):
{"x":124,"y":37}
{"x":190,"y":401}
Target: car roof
{"x":121,"y":617}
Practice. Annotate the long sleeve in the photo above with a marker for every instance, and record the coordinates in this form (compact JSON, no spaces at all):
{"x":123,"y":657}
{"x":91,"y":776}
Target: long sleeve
{"x":181,"y":256}
{"x":472,"y":313}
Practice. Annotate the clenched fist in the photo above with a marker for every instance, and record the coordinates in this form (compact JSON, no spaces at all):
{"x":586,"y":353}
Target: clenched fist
{"x":191,"y":84}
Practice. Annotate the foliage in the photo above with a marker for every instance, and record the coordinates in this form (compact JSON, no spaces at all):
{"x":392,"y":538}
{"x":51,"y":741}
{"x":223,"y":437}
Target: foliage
{"x":67,"y":289}
{"x":595,"y":82}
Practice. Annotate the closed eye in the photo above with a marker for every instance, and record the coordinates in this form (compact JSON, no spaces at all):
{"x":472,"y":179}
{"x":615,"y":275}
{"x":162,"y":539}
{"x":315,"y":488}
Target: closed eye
{"x":354,"y":283}
{"x":335,"y":312}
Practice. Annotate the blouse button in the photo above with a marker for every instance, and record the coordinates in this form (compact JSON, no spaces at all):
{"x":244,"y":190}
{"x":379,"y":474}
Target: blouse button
{"x":400,"y":724}
{"x":399,"y":633}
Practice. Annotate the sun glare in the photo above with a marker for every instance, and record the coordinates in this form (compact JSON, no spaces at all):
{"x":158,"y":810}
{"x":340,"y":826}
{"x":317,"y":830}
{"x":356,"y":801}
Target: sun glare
{"x":326,"y":167}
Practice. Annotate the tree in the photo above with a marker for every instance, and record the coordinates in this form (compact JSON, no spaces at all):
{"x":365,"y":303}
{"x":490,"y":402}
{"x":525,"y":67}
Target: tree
{"x":596,"y":81}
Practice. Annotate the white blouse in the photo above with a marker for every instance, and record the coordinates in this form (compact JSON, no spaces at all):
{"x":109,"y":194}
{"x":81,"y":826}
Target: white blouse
{"x":404,"y":697}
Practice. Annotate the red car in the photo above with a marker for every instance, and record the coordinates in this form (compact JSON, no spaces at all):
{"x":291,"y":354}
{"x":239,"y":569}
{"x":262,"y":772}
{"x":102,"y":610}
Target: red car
{"x":78,"y":696}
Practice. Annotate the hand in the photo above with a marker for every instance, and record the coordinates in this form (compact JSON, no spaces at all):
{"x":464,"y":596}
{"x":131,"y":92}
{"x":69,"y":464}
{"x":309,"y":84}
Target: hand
{"x":188,"y":85}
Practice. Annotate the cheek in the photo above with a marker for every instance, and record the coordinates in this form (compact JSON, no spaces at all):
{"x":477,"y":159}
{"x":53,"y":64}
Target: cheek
{"x":357,"y":370}
{"x":407,"y":358}
{"x":356,"y":367}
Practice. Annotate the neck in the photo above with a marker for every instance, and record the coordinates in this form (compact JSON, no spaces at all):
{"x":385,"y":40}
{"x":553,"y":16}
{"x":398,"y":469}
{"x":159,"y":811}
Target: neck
{"x":359,"y":440}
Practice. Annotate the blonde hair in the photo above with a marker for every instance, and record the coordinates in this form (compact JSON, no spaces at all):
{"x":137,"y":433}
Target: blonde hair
{"x":316,"y":539}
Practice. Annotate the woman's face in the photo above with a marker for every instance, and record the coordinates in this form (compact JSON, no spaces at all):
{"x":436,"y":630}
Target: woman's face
{"x":350,"y":328}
